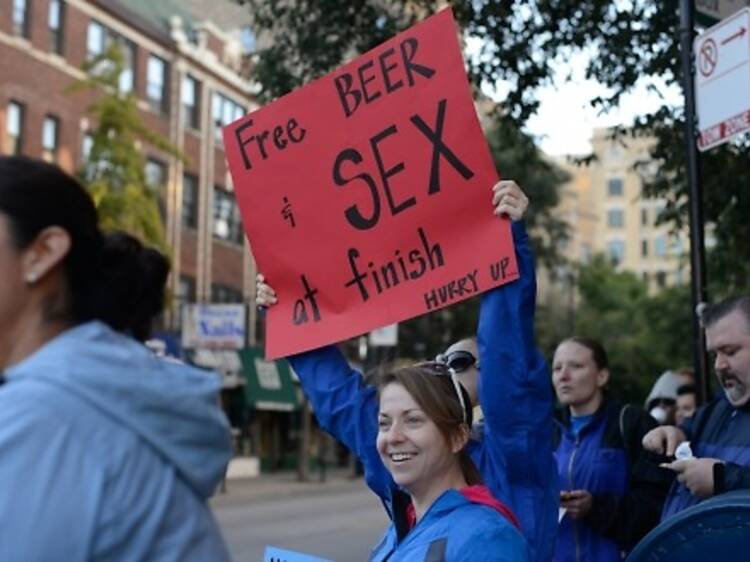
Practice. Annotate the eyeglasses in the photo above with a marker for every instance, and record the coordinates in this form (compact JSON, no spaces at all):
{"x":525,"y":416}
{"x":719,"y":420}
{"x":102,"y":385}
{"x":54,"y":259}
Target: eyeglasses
{"x":443,"y":369}
{"x":459,"y":360}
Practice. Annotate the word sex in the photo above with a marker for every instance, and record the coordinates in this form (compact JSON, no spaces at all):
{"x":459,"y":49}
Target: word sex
{"x":440,"y":150}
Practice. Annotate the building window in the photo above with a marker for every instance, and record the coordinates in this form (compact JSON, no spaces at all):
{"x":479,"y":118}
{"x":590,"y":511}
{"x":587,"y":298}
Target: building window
{"x":247,"y":38}
{"x":616,"y":251}
{"x":99,"y":38}
{"x":644,"y":248}
{"x":661,"y":279}
{"x":95,"y":40}
{"x":190,"y":201}
{"x":225,"y":111}
{"x":56,"y":23}
{"x":185,"y":294}
{"x":156,"y":173}
{"x":227,"y":222}
{"x":87,"y":143}
{"x":127,"y":77}
{"x":21,"y":18}
{"x":224,"y":294}
{"x":50,"y":138}
{"x":186,"y":289}
{"x":660,"y":246}
{"x":156,"y":74}
{"x":156,"y":178}
{"x":614,"y":187}
{"x":191,"y":102}
{"x":644,"y":217}
{"x":14,"y":128}
{"x":615,"y":218}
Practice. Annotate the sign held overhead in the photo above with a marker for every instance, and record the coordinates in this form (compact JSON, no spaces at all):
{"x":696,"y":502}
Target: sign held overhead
{"x":367,"y":194}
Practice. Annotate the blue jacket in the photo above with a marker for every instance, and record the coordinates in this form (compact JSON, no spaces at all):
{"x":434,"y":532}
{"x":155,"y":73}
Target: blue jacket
{"x":475,"y":532}
{"x":717,"y":430}
{"x":109,"y":454}
{"x":607,"y":459}
{"x":514,"y":449}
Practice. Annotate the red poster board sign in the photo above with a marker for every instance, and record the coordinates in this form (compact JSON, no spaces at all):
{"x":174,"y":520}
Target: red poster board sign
{"x":366,"y":195}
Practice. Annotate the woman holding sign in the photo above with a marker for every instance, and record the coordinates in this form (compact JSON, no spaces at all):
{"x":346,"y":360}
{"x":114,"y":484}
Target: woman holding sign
{"x":513,"y":448}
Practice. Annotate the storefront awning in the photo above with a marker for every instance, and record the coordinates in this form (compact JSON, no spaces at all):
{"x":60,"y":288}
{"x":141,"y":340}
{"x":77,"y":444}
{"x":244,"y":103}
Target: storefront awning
{"x":269,"y":383}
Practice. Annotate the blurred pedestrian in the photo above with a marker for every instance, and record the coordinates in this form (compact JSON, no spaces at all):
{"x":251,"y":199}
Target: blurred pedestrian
{"x":662,"y":400}
{"x":716,"y":458}
{"x":687,"y":402}
{"x":611,"y":490}
{"x":504,"y":373}
{"x":109,"y":452}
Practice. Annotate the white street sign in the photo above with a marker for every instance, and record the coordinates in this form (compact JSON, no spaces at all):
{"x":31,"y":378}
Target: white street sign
{"x":214,"y":326}
{"x":722,"y":80}
{"x":713,"y":11}
{"x":385,"y":336}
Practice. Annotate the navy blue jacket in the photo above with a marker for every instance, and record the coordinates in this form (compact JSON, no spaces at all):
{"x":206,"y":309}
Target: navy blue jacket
{"x":719,"y":431}
{"x":628,"y":488}
{"x":514,"y":452}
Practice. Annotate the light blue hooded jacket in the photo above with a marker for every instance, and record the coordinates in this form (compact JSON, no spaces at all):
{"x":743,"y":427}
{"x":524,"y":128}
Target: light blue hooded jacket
{"x":109,"y":454}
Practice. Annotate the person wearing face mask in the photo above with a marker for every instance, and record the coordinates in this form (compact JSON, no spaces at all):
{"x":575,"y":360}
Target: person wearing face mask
{"x":719,"y":431}
{"x":611,"y":490}
{"x":662,"y":400}
{"x":502,"y":370}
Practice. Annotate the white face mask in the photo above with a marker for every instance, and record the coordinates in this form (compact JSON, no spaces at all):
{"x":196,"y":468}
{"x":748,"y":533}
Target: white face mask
{"x":659,"y":414}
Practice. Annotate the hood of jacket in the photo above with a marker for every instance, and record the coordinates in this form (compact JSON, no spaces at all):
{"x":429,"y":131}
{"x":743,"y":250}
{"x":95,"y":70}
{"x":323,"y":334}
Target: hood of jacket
{"x":173,"y":407}
{"x":665,"y":387}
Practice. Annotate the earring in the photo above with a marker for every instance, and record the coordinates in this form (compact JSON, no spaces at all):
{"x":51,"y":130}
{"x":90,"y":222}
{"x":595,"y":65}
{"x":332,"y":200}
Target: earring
{"x":31,"y":277}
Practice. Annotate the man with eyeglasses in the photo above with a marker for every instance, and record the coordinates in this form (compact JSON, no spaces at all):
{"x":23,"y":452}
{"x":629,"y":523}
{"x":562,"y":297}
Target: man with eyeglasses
{"x":513,"y":447}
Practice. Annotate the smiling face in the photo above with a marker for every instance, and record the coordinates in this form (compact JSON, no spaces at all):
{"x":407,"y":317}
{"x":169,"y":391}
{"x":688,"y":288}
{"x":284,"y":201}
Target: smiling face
{"x":577,"y":379}
{"x":411,"y":446}
{"x":729,"y":340}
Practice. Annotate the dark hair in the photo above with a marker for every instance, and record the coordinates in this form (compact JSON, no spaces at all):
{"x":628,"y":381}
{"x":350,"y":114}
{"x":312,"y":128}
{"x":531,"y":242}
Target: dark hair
{"x":431,"y":387}
{"x":687,"y":389}
{"x":111,"y":278}
{"x":716,"y":312}
{"x":136,"y":277}
{"x":596,"y":348}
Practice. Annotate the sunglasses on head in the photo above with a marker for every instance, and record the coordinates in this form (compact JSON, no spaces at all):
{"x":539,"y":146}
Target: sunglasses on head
{"x":443,"y":369}
{"x":459,"y":360}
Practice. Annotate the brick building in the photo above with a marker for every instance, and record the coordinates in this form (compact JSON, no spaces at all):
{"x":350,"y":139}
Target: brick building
{"x":184,"y":63}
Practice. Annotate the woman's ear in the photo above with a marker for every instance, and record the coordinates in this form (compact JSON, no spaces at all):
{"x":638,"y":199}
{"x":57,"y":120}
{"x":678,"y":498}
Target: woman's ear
{"x":46,"y":251}
{"x":460,"y":438}
{"x":602,"y":378}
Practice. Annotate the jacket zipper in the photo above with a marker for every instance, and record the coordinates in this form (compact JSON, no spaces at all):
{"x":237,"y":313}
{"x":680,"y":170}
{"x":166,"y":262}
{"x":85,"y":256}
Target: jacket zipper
{"x":570,"y":484}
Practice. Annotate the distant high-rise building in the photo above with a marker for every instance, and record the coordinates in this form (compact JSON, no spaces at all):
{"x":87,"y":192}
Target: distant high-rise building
{"x":607,"y":212}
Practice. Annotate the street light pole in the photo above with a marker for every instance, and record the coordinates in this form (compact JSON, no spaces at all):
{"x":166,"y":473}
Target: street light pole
{"x":697,"y":253}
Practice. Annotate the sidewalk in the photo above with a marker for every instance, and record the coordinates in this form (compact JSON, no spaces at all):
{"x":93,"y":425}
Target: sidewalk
{"x":276,"y":485}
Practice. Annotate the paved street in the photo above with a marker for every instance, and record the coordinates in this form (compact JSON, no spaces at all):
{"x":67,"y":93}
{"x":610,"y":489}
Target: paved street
{"x":340,"y":520}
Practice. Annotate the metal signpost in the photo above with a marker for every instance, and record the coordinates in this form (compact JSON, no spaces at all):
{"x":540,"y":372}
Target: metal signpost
{"x":697,"y":254}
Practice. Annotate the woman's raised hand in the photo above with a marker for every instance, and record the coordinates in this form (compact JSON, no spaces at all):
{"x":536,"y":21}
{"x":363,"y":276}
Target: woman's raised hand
{"x":509,"y":200}
{"x":264,"y":294}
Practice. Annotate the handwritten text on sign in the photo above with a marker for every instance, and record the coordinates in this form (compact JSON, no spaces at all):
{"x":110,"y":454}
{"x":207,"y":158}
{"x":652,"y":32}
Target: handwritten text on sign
{"x":366,"y":195}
